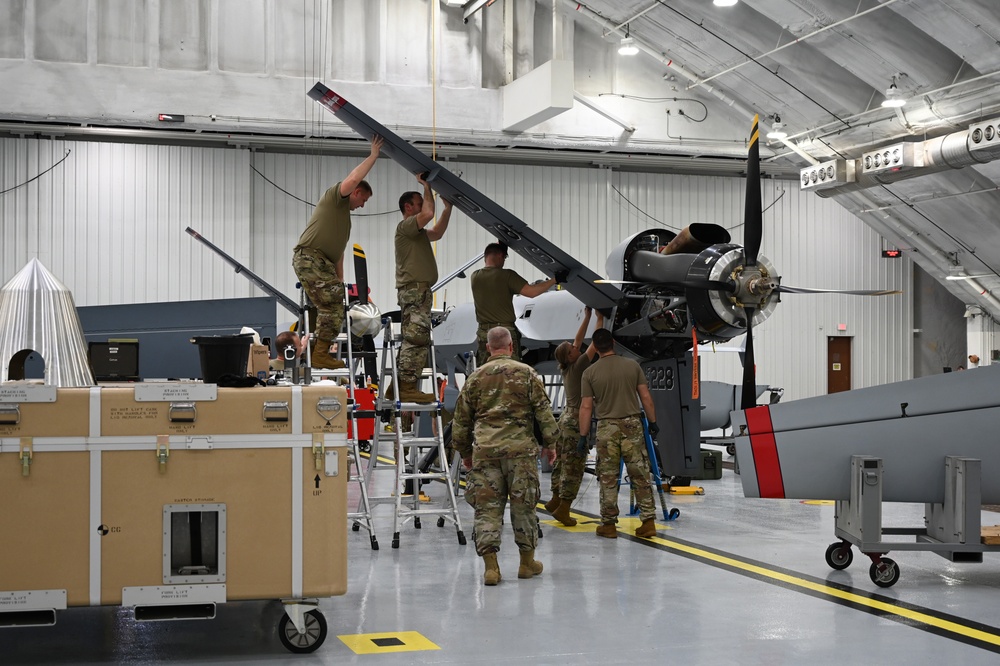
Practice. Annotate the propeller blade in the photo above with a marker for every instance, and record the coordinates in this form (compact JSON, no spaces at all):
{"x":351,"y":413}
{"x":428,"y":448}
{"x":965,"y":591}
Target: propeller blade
{"x":692,"y":284}
{"x":856,"y":292}
{"x":752,"y":214}
{"x":748,"y":398}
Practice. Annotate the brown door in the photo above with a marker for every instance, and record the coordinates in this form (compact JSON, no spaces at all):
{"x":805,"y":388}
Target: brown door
{"x":838,"y":364}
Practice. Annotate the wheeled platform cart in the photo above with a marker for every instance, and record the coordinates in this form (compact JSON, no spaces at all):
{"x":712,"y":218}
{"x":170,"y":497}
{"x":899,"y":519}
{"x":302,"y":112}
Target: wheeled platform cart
{"x":170,"y":498}
{"x":952,"y":528}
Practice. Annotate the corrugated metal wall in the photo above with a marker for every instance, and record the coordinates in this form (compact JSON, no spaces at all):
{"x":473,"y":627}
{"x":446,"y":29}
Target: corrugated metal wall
{"x":109,"y":221}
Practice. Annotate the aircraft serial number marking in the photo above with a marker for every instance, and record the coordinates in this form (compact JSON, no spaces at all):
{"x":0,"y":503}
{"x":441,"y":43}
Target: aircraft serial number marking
{"x":660,"y":378}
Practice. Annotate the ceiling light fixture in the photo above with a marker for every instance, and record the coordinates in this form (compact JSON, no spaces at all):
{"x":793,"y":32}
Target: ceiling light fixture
{"x":724,"y":3}
{"x":777,"y":129}
{"x":894,"y":97}
{"x":628,"y":47}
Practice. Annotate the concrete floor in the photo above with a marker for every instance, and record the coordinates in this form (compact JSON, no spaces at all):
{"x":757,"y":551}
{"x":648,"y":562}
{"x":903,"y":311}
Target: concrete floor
{"x":732,"y":581}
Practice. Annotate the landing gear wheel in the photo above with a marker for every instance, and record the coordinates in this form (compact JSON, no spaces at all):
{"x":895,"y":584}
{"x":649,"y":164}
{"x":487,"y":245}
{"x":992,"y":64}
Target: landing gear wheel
{"x":839,"y":555}
{"x":312,"y":638}
{"x":884,"y":574}
{"x":674,"y":514}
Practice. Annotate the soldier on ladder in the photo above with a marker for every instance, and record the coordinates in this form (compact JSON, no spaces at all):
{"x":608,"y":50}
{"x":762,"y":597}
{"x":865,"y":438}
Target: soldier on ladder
{"x":416,"y":272}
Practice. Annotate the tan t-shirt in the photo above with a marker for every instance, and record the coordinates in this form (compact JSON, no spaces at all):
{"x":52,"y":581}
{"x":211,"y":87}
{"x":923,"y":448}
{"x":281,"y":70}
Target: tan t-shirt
{"x":492,"y":291}
{"x":612,"y":382}
{"x":414,"y":255}
{"x":571,"y":382}
{"x":329,"y":228}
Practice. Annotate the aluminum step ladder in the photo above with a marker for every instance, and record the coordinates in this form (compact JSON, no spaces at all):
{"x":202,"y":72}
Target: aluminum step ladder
{"x":362,"y":517}
{"x":410,"y":449}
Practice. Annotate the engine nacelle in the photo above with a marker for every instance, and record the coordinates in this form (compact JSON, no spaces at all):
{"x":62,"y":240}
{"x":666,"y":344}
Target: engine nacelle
{"x":661,"y":271}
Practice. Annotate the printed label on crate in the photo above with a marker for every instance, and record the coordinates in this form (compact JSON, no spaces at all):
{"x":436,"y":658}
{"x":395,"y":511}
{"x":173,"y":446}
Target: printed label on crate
{"x":27,"y":393}
{"x":173,"y":594}
{"x":173,"y":392}
{"x":33,"y":600}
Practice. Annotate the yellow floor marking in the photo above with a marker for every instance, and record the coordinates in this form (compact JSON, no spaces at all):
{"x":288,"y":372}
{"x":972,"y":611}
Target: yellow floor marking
{"x":626,"y":525}
{"x":818,"y":502}
{"x":860,"y":600}
{"x":393,"y":641}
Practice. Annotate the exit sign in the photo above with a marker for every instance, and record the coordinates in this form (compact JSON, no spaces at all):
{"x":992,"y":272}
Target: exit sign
{"x":892,"y":254}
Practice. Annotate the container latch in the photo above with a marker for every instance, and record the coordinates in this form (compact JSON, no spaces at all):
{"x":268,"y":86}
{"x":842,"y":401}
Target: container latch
{"x":162,"y":451}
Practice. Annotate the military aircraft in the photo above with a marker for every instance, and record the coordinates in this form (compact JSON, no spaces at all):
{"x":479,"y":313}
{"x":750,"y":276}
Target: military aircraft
{"x":666,"y":292}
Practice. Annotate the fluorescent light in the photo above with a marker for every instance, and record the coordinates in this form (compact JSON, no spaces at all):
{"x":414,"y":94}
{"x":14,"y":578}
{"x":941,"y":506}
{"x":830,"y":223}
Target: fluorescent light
{"x":724,"y":3}
{"x":628,"y":47}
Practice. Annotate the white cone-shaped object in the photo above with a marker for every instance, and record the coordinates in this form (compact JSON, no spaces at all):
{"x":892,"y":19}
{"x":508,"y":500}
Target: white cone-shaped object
{"x":37,"y":314}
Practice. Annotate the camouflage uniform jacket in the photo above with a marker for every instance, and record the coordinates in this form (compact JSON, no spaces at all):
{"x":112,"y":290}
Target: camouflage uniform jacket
{"x":498,"y":407}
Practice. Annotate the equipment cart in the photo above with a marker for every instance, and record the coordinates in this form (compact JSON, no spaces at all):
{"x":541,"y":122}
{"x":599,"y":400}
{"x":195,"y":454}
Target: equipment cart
{"x":170,"y":498}
{"x":951,"y":529}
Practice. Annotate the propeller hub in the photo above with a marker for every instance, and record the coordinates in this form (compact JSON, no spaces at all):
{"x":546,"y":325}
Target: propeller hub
{"x":754,"y":285}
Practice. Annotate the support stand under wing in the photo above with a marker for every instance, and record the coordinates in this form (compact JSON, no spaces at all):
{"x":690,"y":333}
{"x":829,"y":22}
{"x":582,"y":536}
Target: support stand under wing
{"x":952,"y":528}
{"x":508,"y":228}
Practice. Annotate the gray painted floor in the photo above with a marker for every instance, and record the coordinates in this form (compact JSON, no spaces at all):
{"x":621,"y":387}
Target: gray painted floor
{"x":732,"y":581}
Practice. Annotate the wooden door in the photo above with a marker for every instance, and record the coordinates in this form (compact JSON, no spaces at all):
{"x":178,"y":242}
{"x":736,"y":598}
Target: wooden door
{"x":838,"y":364}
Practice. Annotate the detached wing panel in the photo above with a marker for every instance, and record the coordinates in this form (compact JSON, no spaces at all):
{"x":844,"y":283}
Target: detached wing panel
{"x":508,"y":228}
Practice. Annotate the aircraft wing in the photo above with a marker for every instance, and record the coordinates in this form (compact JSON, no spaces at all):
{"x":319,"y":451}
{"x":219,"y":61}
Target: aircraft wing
{"x":508,"y":228}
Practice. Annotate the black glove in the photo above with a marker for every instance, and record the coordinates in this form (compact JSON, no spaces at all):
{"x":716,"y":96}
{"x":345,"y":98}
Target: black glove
{"x":654,"y":430}
{"x":583,"y":446}
{"x":562,"y":275}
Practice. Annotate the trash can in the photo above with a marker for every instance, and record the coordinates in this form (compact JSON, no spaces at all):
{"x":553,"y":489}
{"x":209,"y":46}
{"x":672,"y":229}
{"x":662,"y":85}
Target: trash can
{"x":223,"y":355}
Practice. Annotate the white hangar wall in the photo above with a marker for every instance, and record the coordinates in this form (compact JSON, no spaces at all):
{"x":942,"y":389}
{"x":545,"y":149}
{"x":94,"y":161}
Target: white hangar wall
{"x":109,"y":222}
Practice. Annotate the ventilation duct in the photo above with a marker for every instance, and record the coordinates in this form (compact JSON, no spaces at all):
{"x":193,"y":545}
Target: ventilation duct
{"x":978,"y":144}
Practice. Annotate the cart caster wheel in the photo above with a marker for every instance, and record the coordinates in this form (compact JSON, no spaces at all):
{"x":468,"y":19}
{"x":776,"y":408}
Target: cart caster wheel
{"x":355,"y":527}
{"x":416,"y":523}
{"x":731,"y":449}
{"x":364,"y":446}
{"x":461,"y":538}
{"x":884,"y":574}
{"x":440,"y":522}
{"x":395,"y":540}
{"x":315,"y":633}
{"x":674,"y":514}
{"x":839,"y":555}
{"x":374,"y":543}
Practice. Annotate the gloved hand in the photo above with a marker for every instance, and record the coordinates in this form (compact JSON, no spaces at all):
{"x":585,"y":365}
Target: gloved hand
{"x":583,"y":446}
{"x":654,"y":430}
{"x":562,"y":275}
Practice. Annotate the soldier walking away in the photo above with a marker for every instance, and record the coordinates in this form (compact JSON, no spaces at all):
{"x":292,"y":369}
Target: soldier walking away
{"x":318,"y":258}
{"x":493,"y":290}
{"x":567,"y":473}
{"x":493,"y":431}
{"x":416,"y":273}
{"x":612,"y":384}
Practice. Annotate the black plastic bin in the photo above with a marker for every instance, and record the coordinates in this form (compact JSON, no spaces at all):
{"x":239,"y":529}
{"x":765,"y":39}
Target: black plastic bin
{"x":223,"y":355}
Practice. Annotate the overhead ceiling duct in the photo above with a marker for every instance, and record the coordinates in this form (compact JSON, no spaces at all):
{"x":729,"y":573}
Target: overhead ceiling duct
{"x":978,"y":144}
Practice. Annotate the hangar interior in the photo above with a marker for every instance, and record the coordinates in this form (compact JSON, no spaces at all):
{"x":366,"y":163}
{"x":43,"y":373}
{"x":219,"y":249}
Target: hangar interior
{"x":125,"y":122}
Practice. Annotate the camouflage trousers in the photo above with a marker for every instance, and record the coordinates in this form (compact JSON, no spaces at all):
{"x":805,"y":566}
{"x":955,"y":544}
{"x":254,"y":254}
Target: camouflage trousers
{"x":489,"y":485}
{"x":567,"y":471}
{"x":415,"y":314}
{"x":483,"y":354}
{"x":318,"y":276}
{"x":619,"y":439}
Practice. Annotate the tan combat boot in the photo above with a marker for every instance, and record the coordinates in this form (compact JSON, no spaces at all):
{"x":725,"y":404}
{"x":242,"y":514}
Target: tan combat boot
{"x":647,"y":529}
{"x":562,"y":514}
{"x":552,"y":504}
{"x":529,"y":565}
{"x":321,"y":358}
{"x":608,"y":531}
{"x":408,"y":392}
{"x":492,"y":574}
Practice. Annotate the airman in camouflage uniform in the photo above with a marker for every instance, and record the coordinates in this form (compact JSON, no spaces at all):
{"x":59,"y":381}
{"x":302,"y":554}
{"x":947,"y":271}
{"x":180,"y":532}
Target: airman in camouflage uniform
{"x":567,"y":473}
{"x":613,"y":383}
{"x":493,"y":289}
{"x":493,"y":431}
{"x":318,"y":258}
{"x":416,"y":272}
